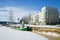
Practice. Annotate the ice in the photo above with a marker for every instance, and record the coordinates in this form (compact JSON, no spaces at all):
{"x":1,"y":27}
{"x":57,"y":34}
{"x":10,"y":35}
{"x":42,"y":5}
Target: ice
{"x":11,"y":34}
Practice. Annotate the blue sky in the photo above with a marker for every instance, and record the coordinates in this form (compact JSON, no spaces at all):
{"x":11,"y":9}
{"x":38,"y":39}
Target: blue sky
{"x":25,"y":7}
{"x":30,"y":4}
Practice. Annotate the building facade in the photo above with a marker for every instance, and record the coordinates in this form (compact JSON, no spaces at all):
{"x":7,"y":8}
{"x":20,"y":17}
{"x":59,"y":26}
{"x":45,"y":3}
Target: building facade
{"x":47,"y":16}
{"x":34,"y":19}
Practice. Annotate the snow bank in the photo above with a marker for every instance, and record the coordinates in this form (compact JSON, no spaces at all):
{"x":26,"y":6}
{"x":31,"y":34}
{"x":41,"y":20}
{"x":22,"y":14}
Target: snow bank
{"x":46,"y":26}
{"x":11,"y":34}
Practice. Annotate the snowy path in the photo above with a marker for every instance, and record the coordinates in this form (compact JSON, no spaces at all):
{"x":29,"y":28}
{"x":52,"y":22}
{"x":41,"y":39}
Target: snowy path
{"x":11,"y":34}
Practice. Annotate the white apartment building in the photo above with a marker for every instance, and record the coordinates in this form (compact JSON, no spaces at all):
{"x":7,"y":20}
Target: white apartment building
{"x":34,"y":19}
{"x":47,"y":16}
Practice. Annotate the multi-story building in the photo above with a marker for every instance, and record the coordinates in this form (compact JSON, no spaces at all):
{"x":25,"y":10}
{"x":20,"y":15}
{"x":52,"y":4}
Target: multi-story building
{"x":47,"y":15}
{"x":34,"y":19}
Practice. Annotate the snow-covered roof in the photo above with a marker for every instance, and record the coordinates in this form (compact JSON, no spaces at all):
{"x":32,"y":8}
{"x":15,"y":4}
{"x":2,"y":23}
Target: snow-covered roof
{"x":11,"y":34}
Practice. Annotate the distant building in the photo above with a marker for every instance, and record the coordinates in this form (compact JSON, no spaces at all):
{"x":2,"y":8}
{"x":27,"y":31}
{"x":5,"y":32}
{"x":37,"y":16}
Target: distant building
{"x":34,"y":19}
{"x":47,"y":16}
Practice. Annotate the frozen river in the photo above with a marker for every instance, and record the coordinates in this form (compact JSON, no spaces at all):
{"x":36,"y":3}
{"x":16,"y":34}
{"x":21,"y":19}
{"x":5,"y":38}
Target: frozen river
{"x":11,"y":34}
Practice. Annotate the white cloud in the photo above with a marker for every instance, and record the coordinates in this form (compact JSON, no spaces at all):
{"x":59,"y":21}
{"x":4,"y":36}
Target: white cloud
{"x":18,"y":12}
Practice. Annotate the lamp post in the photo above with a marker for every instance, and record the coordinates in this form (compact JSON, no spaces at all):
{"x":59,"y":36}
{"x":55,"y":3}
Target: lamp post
{"x":18,"y":20}
{"x":22,"y":24}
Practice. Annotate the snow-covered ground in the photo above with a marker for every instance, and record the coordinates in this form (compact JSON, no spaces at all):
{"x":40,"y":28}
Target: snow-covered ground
{"x":11,"y":34}
{"x":50,"y":33}
{"x":46,"y":26}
